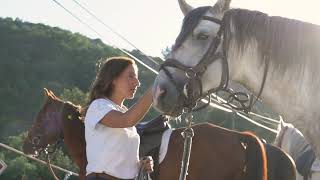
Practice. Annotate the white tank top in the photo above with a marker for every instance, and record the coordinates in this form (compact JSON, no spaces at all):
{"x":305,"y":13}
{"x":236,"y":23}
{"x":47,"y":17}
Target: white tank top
{"x":114,"y":151}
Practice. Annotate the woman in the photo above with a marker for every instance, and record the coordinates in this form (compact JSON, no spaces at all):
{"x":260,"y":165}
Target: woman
{"x":112,"y":140}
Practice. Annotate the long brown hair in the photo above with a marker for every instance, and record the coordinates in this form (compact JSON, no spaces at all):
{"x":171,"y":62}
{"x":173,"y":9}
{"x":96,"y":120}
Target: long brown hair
{"x":109,"y":69}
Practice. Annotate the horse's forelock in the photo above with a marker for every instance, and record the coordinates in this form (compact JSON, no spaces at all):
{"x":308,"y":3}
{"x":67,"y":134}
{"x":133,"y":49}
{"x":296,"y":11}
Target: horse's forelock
{"x":190,"y":21}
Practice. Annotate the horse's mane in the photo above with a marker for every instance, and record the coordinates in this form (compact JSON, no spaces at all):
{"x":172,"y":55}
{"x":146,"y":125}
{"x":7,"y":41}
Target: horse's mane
{"x":281,"y":39}
{"x":71,"y":111}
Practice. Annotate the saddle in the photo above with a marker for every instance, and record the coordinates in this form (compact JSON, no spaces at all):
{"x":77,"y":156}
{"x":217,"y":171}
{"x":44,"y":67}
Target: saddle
{"x":150,"y":139}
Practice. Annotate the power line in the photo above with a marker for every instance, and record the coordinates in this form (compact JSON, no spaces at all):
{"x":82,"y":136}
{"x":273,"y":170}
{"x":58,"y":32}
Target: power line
{"x":263,"y":117}
{"x":267,"y":120}
{"x":87,"y":25}
{"x":263,"y":120}
{"x":151,"y":69}
{"x":35,"y":159}
{"x":73,"y":15}
{"x":228,"y":109}
{"x":112,"y":30}
{"x":258,"y":124}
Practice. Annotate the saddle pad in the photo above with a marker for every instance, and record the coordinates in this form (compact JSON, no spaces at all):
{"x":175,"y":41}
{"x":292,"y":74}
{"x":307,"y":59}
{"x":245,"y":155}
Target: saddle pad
{"x":164,"y":144}
{"x":316,"y":165}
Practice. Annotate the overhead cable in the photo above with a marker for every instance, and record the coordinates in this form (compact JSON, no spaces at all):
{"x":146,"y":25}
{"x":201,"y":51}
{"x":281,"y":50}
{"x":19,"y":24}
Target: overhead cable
{"x":35,"y":159}
{"x":73,"y":15}
{"x":122,"y":50}
{"x":112,"y":30}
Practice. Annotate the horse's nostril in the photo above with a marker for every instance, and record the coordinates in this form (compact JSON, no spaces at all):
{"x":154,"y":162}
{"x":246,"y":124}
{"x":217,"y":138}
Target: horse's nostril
{"x":160,"y":91}
{"x":163,"y":93}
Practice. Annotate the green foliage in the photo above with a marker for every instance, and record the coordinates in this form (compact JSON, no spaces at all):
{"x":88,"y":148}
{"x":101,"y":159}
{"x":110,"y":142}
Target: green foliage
{"x":74,"y":95}
{"x":19,"y":166}
{"x":35,"y":56}
{"x":16,"y":141}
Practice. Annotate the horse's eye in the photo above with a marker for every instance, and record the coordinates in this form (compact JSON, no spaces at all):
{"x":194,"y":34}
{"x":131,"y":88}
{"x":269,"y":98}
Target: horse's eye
{"x":202,"y":36}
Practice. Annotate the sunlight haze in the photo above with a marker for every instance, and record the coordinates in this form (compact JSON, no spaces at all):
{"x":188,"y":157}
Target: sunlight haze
{"x":150,"y":25}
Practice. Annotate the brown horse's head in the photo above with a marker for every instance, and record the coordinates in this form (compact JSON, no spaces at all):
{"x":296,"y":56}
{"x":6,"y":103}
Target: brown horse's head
{"x":47,"y":128}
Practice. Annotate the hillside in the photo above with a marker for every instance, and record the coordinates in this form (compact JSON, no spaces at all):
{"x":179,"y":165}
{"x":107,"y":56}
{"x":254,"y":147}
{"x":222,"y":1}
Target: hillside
{"x":34,"y":56}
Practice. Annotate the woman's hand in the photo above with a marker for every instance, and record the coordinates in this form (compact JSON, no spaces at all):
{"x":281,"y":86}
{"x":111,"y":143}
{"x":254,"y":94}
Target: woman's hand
{"x":147,"y":163}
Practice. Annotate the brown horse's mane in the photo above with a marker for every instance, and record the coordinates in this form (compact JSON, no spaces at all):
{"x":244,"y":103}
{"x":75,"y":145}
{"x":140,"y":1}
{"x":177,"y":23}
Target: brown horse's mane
{"x":72,"y":111}
{"x":68,"y":107}
{"x":74,"y":133}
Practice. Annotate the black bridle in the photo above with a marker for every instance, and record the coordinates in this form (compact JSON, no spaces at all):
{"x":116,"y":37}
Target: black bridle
{"x":194,"y":76}
{"x":47,"y":148}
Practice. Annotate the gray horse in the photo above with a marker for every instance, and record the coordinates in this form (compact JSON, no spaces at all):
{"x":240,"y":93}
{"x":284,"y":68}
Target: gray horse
{"x":277,"y":58}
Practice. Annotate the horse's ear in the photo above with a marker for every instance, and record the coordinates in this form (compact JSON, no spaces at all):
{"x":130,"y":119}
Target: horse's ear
{"x":54,"y":96}
{"x":50,"y":94}
{"x":221,"y":6}
{"x":185,"y":8}
{"x":46,"y":92}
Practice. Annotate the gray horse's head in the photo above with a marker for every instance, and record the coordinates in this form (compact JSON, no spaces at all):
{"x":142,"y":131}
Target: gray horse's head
{"x":171,"y":90}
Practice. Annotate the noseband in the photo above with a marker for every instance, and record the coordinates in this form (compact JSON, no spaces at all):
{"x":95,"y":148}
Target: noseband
{"x":194,"y":74}
{"x":49,"y":148}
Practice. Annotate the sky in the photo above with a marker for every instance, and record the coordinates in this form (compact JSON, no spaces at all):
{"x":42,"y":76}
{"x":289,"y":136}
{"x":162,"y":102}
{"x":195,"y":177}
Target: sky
{"x":149,"y":25}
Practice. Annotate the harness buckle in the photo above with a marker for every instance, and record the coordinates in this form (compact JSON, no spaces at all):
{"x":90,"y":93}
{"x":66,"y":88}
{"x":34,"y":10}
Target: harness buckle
{"x":190,"y":73}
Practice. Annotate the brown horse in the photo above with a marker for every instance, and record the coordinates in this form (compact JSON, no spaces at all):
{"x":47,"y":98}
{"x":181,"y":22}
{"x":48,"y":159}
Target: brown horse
{"x":50,"y":127}
{"x":216,"y":152}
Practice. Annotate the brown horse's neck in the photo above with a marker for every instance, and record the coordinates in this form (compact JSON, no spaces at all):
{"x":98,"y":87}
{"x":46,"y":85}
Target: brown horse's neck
{"x":74,"y":136}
